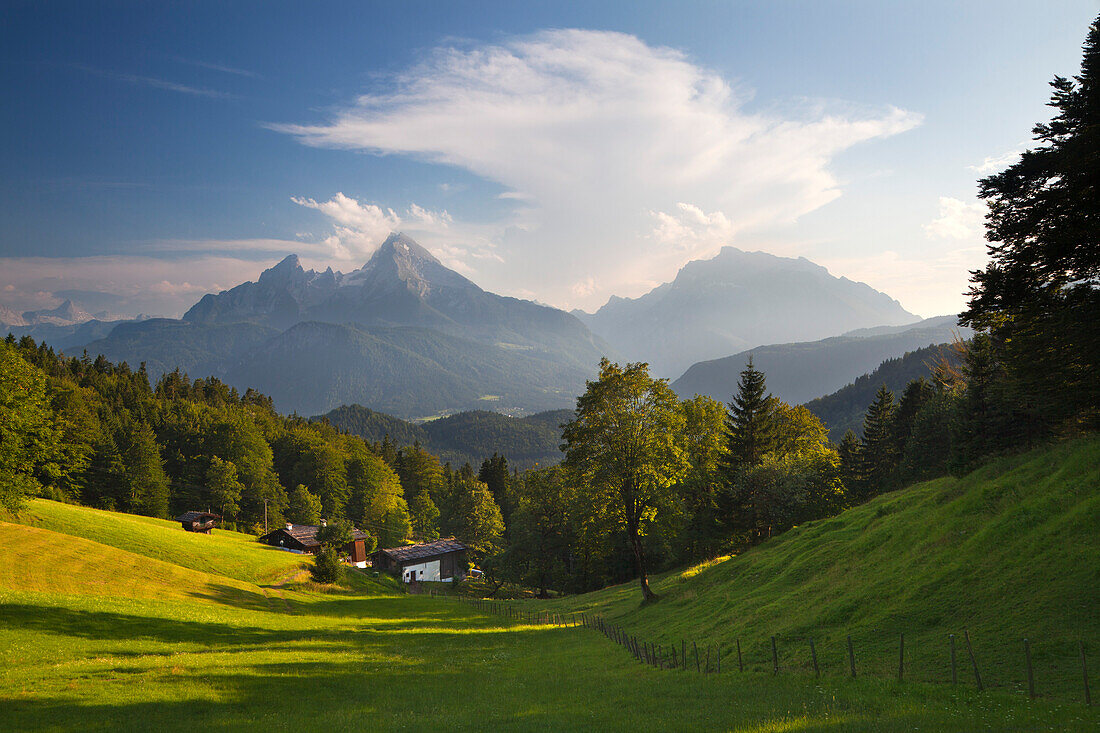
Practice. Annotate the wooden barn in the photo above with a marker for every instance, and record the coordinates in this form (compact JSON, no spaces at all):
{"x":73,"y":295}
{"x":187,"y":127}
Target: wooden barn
{"x":442,"y":560}
{"x":201,"y":522}
{"x":303,"y":538}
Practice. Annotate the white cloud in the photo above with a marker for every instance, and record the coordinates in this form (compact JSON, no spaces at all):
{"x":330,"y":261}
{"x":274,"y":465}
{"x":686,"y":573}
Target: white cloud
{"x":957,"y":220}
{"x":995,"y":163}
{"x":602,"y":133}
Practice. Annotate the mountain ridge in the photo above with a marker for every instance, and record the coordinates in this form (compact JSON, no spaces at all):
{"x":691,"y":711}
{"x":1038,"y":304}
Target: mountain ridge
{"x":734,"y":301}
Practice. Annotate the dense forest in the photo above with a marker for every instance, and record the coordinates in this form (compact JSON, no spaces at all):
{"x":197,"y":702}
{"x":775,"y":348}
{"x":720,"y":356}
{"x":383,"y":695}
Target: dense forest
{"x":843,"y":410}
{"x":466,"y":437}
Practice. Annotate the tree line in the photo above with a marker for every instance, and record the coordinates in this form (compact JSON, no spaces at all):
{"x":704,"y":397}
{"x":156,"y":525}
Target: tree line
{"x":98,"y":433}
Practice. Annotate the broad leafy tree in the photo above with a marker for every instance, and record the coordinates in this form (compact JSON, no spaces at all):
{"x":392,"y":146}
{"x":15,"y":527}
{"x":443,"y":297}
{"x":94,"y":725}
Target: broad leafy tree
{"x":622,"y":447}
{"x":29,"y":438}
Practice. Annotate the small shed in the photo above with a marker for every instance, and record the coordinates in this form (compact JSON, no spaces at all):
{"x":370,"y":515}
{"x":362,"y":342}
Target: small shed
{"x":201,"y":522}
{"x":303,"y":538}
{"x":442,"y":561}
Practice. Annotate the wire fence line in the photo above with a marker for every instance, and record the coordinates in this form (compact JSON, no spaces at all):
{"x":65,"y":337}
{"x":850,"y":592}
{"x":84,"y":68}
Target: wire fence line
{"x":1038,"y":669}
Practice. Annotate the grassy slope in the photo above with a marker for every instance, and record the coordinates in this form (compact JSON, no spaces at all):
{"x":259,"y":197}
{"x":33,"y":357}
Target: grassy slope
{"x":173,"y":648}
{"x":222,"y":552}
{"x":1008,"y":552}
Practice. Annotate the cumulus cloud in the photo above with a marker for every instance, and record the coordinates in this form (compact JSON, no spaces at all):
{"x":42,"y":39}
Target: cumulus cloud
{"x":957,"y":220}
{"x":600,"y":136}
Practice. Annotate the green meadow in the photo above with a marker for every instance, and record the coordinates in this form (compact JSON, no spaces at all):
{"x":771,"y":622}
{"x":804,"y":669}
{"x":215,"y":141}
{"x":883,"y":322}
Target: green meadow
{"x":110,"y":621}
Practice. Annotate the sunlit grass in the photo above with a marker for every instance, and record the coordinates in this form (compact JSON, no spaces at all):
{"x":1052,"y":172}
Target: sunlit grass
{"x":1009,"y":552}
{"x":158,"y":646}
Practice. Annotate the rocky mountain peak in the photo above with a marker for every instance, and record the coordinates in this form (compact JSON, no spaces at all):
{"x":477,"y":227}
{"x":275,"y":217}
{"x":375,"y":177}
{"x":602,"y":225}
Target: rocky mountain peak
{"x":287,"y":269}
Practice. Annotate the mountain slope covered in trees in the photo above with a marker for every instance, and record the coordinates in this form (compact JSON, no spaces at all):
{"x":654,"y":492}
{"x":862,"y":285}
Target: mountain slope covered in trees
{"x":466,"y":437}
{"x":844,"y":409}
{"x":802,"y":371}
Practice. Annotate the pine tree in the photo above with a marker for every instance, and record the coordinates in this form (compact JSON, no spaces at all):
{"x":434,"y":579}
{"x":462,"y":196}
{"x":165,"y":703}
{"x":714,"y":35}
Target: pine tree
{"x":879,"y":456}
{"x":145,"y":480}
{"x":748,"y":422}
{"x":851,"y":464}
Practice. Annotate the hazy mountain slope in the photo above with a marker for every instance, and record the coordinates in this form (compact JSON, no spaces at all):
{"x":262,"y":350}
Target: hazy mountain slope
{"x":402,"y":285}
{"x":410,"y":372}
{"x":165,"y":344}
{"x":735,"y":301}
{"x":402,"y":334}
{"x":844,"y":409}
{"x":802,"y":371}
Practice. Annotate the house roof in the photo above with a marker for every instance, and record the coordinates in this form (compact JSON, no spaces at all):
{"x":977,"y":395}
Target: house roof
{"x":196,"y":516}
{"x":306,"y":534}
{"x":426,"y":549}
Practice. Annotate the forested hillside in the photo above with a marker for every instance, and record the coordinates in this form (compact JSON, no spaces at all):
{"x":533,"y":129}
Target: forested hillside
{"x":844,"y":409}
{"x":467,"y":437}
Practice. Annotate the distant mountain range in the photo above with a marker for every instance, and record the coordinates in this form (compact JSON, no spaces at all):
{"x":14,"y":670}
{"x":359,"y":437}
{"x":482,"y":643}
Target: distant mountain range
{"x":802,"y":371}
{"x":735,"y":301}
{"x":406,"y":336}
{"x":402,"y":334}
{"x":467,"y":437}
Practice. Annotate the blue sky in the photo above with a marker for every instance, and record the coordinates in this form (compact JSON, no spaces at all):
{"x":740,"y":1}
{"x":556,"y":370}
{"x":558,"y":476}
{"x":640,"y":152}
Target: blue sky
{"x":555,"y":151}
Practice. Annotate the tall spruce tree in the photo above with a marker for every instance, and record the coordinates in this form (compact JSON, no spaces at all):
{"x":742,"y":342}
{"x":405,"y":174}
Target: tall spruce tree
{"x":879,"y":456}
{"x":749,"y":425}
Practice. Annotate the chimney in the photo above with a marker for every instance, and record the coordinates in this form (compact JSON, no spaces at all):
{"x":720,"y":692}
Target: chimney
{"x":289,"y":525}
{"x":324,"y":523}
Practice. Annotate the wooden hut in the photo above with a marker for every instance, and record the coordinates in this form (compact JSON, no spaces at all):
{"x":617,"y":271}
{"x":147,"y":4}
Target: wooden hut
{"x":303,"y":538}
{"x":201,"y":522}
{"x":442,"y":560}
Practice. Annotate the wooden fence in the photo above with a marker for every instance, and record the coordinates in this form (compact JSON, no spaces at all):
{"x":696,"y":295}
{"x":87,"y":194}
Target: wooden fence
{"x":1064,"y":670}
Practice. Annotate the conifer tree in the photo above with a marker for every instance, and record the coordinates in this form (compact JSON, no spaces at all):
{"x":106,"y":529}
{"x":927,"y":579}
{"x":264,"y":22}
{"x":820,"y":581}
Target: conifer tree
{"x":879,"y":457}
{"x":748,"y":422}
{"x":851,"y":464}
{"x":145,"y":480}
{"x":1039,"y":296}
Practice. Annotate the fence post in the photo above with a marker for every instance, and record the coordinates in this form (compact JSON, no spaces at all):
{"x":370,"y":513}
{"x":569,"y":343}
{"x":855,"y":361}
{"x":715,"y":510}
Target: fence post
{"x":973,"y":661}
{"x":1030,"y":675}
{"x":696,"y":648}
{"x":683,"y":653}
{"x":740,"y":664}
{"x":851,"y":656}
{"x":1085,"y":672}
{"x":813,"y":655}
{"x":673,"y":647}
{"x":707,"y":667}
{"x":718,"y":654}
{"x":954,"y":665}
{"x":901,"y":658}
{"x":775,"y":658}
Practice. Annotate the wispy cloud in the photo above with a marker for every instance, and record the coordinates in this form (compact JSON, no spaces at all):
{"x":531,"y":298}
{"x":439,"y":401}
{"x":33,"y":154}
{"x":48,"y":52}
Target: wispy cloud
{"x":155,"y":83}
{"x":613,"y":144}
{"x":217,"y":67}
{"x":995,"y":163}
{"x":957,"y":220}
